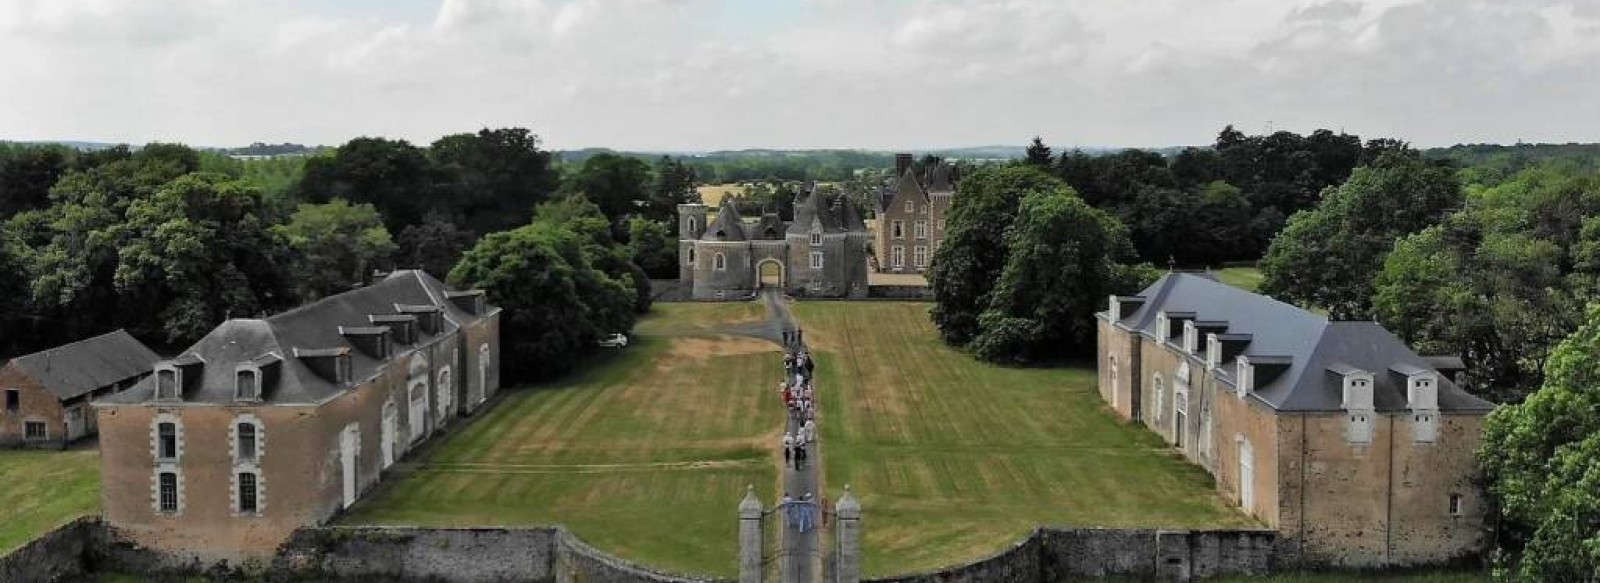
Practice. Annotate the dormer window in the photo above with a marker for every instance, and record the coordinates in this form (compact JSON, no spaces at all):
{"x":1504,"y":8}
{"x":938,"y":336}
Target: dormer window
{"x":1163,"y":326}
{"x":247,"y":384}
{"x":816,"y":238}
{"x":168,"y":384}
{"x":1359,"y":412}
{"x":1191,"y":337}
{"x":1213,"y":352}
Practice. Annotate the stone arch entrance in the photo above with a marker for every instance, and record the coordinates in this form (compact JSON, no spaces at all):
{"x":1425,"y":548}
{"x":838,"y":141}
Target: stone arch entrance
{"x":769,"y":273}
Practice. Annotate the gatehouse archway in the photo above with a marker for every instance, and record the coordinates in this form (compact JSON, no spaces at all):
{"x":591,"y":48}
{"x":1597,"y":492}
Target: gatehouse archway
{"x":770,"y":273}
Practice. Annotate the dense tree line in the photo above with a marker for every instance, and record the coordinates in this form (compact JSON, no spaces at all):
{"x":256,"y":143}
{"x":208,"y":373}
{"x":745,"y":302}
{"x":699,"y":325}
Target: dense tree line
{"x":167,"y":241}
{"x":1205,"y":206}
{"x":1024,"y":265}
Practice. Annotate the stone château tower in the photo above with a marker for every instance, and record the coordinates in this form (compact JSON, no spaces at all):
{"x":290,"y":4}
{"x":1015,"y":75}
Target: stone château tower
{"x":822,"y":253}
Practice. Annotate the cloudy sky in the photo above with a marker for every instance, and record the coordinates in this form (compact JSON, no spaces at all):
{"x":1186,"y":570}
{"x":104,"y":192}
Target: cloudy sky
{"x":709,"y":74}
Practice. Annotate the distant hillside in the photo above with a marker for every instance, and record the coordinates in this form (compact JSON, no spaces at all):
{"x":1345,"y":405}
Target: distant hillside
{"x":1510,"y":159}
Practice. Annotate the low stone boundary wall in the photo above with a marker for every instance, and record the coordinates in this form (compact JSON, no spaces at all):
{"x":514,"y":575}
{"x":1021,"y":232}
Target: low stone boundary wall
{"x":63,"y":554}
{"x":475,"y":555}
{"x":1049,"y":555}
{"x":900,"y":292}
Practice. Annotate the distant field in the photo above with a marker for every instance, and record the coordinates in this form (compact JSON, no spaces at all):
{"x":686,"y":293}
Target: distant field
{"x":712,"y":195}
{"x":645,"y":456}
{"x":954,"y":459}
{"x":41,"y":490}
{"x":1241,"y":277}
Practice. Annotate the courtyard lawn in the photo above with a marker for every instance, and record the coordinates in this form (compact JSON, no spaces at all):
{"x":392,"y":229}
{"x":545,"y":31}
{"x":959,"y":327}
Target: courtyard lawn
{"x":1248,"y":278}
{"x":42,"y":490}
{"x":953,"y":459}
{"x":645,"y":455}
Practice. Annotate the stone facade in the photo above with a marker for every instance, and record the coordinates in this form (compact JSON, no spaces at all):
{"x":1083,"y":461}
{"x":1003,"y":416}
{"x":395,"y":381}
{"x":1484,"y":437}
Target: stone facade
{"x":911,"y":217}
{"x":822,"y":253}
{"x":46,"y":395}
{"x":212,"y":473}
{"x":1053,"y":554}
{"x":1357,"y":451}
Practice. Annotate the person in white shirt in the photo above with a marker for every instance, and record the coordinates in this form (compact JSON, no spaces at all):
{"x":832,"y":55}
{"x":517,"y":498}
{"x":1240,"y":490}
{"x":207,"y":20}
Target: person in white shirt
{"x":809,"y":430}
{"x":788,"y":447}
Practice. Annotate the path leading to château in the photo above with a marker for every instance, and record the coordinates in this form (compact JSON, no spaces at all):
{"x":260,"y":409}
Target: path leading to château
{"x":800,"y":554}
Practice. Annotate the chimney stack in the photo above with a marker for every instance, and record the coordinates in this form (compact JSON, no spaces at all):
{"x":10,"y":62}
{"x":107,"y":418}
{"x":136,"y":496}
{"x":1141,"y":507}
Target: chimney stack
{"x":902,"y":162}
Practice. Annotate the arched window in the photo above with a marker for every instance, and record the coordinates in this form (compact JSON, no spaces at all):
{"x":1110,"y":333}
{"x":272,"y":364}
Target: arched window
{"x":249,"y":493}
{"x":1159,"y":390}
{"x":1115,"y":390}
{"x":691,"y":255}
{"x":693,"y":225}
{"x":719,"y":262}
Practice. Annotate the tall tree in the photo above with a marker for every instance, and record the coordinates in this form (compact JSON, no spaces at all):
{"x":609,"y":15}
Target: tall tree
{"x":1328,"y":256}
{"x":1062,"y":265}
{"x":492,"y":179}
{"x":1542,"y":461}
{"x":434,"y":246}
{"x":618,"y":185}
{"x":974,"y":251}
{"x":392,"y":175}
{"x":1039,"y":154}
{"x":673,"y":184}
{"x":335,"y":245}
{"x":26,"y":175}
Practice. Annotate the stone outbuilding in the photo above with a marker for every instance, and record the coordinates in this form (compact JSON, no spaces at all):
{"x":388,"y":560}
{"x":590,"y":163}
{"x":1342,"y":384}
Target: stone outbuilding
{"x":1358,"y":451}
{"x":268,"y":425}
{"x":821,"y":253}
{"x":47,"y":393}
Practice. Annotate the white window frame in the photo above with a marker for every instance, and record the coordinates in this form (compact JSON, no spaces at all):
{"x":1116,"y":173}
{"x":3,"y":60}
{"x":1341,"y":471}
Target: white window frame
{"x":259,"y":435}
{"x":238,"y":491}
{"x":897,"y":229}
{"x":919,"y":229}
{"x":897,"y":256}
{"x":1114,"y":374}
{"x":911,"y":206}
{"x":1160,"y":393}
{"x":816,"y":238}
{"x":719,"y":262}
{"x":30,"y":424}
{"x":816,"y":260}
{"x":177,"y":492}
{"x":919,"y":256}
{"x":175,"y":393}
{"x":1457,"y":504}
{"x":238,"y":376}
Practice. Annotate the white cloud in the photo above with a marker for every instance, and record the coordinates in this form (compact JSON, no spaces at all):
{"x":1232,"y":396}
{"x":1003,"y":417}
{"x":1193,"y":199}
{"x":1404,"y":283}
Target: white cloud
{"x":822,"y":73}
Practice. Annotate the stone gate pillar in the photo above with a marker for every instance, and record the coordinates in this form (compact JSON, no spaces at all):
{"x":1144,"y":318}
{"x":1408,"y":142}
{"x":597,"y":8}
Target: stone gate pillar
{"x":750,"y":537}
{"x":849,"y":526}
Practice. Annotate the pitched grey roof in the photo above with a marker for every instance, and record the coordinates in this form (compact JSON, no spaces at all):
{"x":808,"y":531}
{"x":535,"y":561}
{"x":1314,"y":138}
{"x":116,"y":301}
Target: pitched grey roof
{"x":728,"y":226}
{"x":309,"y":331}
{"x":1312,"y":345}
{"x":835,"y":214}
{"x":83,"y":366}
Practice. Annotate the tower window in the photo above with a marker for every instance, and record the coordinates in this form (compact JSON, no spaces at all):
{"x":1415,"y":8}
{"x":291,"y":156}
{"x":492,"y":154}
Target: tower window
{"x":719,"y":262}
{"x":247,"y":492}
{"x":168,"y":492}
{"x":167,"y":441}
{"x":247,"y":441}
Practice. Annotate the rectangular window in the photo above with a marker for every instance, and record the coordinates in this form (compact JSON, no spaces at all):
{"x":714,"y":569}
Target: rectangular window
{"x":35,"y":430}
{"x":167,"y":441}
{"x":919,"y":256}
{"x":941,"y":225}
{"x":169,"y":492}
{"x":897,"y":256}
{"x":247,"y":492}
{"x":816,"y":260}
{"x":898,"y":230}
{"x":1455,"y":505}
{"x":911,"y":206}
{"x":245,"y":386}
{"x":247,"y":441}
{"x":166,"y":384}
{"x":920,"y":229}
{"x":13,"y":400}
{"x":816,"y":239}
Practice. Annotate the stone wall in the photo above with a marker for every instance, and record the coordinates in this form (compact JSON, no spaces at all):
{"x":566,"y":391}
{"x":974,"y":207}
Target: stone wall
{"x":477,"y":555}
{"x":577,"y":562}
{"x":1050,"y":555}
{"x":900,"y":292}
{"x":60,"y":555}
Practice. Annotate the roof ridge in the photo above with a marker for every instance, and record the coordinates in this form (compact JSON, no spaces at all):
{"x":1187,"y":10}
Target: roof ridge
{"x":75,"y":343}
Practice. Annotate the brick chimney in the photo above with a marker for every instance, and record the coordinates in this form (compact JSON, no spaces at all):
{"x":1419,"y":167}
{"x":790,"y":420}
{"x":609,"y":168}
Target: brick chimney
{"x":902,"y":162}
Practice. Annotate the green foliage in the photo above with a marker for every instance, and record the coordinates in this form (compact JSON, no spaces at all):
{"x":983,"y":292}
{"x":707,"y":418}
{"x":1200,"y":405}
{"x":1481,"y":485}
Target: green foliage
{"x":1328,"y":256}
{"x":1501,"y":281}
{"x":1038,"y":154}
{"x":975,"y":248}
{"x":1542,"y":459}
{"x":433,"y":246}
{"x":392,"y":175}
{"x":26,"y":175}
{"x":492,"y":179}
{"x":1060,"y":269}
{"x":336,"y":245}
{"x":562,"y":282}
{"x":766,"y":196}
{"x":654,"y":249}
{"x":618,"y":185}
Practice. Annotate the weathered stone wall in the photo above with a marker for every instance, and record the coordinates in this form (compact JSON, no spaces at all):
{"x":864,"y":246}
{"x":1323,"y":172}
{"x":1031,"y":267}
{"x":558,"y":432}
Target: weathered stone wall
{"x":465,"y":555}
{"x":35,"y":403}
{"x":900,"y":292}
{"x":577,"y":562}
{"x":1057,"y":554}
{"x":60,"y":555}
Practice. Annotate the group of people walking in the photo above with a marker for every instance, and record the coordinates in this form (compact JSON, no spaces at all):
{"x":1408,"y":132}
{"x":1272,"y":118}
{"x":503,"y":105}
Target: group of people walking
{"x":800,"y":399}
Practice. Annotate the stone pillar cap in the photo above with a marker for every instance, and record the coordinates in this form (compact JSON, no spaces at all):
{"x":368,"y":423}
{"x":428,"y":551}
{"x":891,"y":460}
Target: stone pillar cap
{"x":848,"y":507}
{"x":750,"y":507}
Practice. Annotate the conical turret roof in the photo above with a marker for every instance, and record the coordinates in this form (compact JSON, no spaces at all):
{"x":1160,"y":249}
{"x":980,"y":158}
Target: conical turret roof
{"x":728,"y":226}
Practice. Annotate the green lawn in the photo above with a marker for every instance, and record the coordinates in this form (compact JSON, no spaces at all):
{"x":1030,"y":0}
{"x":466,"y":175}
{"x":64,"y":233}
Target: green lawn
{"x":953,"y":459}
{"x":1241,"y":277}
{"x":41,"y":490}
{"x":646,"y":455}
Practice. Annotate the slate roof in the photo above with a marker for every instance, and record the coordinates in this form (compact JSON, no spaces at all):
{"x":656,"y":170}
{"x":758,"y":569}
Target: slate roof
{"x":311,"y":330}
{"x":1310,"y":344}
{"x":728,"y":226}
{"x":835,"y":214}
{"x":938,"y":179}
{"x":83,"y":366}
{"x":770,"y":227}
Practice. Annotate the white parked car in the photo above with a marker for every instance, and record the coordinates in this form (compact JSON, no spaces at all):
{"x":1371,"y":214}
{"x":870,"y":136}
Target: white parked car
{"x":614,"y":341}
